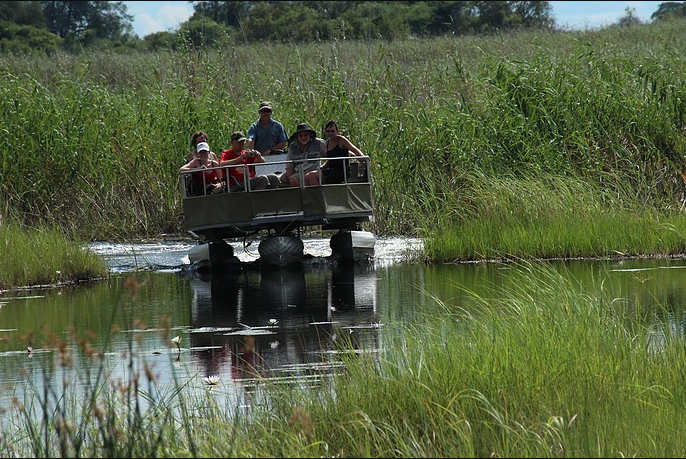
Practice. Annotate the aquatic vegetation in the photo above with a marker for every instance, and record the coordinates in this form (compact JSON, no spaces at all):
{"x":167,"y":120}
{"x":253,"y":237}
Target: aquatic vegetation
{"x":177,"y":342}
{"x":211,"y":380}
{"x":539,"y":367}
{"x":44,"y":257}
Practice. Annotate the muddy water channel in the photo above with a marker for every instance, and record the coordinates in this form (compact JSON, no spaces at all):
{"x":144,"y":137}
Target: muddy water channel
{"x":238,"y":330}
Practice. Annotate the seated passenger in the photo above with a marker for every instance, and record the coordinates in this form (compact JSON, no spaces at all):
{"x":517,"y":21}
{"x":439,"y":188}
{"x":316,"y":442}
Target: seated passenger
{"x":267,"y":135}
{"x":203,"y":182}
{"x":337,"y":146}
{"x":237,"y":155}
{"x":196,"y":138}
{"x":304,"y":145}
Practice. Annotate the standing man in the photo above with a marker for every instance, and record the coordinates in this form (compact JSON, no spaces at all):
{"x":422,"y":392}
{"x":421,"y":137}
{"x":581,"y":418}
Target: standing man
{"x":266,"y":135}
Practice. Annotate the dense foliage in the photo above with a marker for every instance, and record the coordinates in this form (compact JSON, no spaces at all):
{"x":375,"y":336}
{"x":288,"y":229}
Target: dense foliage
{"x":46,"y":26}
{"x":304,"y":21}
{"x":93,"y":142}
{"x":75,"y":26}
{"x":78,"y":25}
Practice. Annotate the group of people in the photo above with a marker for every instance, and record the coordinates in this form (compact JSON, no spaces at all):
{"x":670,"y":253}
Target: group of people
{"x":267,"y":136}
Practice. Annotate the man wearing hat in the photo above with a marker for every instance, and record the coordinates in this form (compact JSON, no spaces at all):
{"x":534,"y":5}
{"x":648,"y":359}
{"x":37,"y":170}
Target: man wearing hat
{"x":304,"y":153}
{"x":236,"y":155}
{"x":266,"y":135}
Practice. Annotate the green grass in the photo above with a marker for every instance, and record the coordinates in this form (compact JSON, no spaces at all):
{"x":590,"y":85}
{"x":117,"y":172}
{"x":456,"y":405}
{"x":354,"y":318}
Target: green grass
{"x":541,"y":367}
{"x":548,"y":217}
{"x":42,"y":257}
{"x":102,"y":135}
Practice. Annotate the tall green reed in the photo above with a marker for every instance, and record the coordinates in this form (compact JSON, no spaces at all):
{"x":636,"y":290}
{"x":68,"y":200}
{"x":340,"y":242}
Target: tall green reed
{"x":544,"y":367}
{"x":94,"y":141}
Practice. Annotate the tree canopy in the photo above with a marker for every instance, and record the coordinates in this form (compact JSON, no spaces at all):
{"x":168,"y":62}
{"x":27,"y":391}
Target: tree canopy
{"x":45,"y":26}
{"x":50,"y":25}
{"x":107,"y":20}
{"x":667,"y":10}
{"x":311,"y":20}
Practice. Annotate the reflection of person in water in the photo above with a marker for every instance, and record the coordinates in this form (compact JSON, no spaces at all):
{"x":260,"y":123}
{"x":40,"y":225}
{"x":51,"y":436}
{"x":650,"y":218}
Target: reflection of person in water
{"x":343,"y":287}
{"x":298,"y":315}
{"x":215,"y":307}
{"x":283,"y":308}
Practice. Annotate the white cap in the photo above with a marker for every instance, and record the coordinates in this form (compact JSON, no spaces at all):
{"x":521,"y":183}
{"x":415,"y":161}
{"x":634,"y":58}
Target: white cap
{"x":202,"y":146}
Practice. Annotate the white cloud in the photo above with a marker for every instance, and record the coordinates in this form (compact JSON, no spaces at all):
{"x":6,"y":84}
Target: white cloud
{"x":146,"y":25}
{"x":171,"y":16}
{"x":595,"y":14}
{"x":164,"y":18}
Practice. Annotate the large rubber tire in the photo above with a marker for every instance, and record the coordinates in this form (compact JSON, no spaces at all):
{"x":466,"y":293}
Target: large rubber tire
{"x":281,"y":250}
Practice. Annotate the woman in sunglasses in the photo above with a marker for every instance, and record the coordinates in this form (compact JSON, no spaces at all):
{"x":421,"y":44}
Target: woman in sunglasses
{"x":337,"y":146}
{"x":196,"y":138}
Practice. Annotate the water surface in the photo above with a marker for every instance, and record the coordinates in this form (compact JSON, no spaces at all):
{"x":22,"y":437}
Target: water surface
{"x":280,"y":324}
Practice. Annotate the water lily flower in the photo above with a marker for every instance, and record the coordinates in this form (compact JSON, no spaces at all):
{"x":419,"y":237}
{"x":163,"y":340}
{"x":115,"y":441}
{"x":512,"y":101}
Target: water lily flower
{"x":177,"y":340}
{"x":273,"y":321}
{"x":212,"y":380}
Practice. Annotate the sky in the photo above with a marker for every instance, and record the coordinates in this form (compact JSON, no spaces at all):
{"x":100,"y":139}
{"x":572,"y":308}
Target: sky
{"x":157,"y":16}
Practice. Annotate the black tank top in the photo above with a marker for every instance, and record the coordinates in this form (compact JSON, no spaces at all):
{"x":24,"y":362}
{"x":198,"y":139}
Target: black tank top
{"x":337,"y":151}
{"x":336,"y":168}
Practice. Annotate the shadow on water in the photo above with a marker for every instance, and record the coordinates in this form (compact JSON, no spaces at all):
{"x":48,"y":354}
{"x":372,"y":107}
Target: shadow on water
{"x":282,"y":322}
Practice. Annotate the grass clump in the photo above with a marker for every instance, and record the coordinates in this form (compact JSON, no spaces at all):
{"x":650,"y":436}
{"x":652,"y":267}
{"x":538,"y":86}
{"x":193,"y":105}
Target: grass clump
{"x":547,"y":217}
{"x":539,"y":369}
{"x":44,"y":256}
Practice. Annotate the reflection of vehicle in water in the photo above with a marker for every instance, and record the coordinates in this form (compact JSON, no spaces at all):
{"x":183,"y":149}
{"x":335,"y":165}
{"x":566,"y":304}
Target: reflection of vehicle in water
{"x":282,"y":213}
{"x":281,"y":323}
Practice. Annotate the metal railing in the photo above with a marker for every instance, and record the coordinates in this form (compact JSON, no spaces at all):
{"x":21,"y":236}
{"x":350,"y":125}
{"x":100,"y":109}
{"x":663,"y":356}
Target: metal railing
{"x":358,"y":172}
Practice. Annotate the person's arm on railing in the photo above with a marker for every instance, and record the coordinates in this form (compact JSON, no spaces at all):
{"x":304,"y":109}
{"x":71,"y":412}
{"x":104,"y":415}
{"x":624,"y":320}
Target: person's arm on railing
{"x":345,"y":143}
{"x":191,"y":165}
